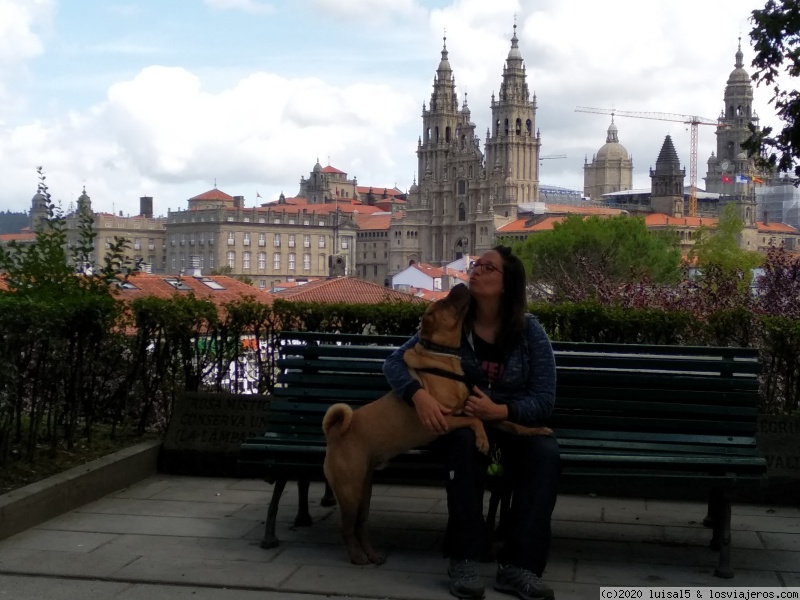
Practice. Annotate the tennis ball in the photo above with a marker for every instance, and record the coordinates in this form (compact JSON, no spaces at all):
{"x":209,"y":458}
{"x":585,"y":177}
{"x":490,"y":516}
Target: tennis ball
{"x":495,"y":469}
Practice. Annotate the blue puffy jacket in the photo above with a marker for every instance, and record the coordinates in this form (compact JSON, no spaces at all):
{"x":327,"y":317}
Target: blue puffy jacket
{"x":527,"y":386}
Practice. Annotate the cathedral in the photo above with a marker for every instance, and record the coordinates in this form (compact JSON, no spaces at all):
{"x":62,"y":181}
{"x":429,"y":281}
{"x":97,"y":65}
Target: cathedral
{"x":465,"y":194}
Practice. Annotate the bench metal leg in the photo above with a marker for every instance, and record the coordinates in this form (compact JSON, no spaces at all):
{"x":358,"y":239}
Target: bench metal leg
{"x":270,"y":539}
{"x":722,"y":532}
{"x":303,"y":518}
{"x":712,"y":516}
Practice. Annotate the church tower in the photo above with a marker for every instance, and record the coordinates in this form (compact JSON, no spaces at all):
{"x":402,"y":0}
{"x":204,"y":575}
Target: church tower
{"x":666,"y":194}
{"x":462,"y":196}
{"x":512,"y":150}
{"x":39,"y":210}
{"x":730,"y":159}
{"x":611,"y":169}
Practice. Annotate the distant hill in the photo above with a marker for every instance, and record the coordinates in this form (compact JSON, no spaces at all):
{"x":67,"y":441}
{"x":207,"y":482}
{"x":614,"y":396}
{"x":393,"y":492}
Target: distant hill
{"x":13,"y":222}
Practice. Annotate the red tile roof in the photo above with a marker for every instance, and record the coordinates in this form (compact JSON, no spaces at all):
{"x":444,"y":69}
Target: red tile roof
{"x":330,"y":169}
{"x":776,"y":228}
{"x":519,"y":226}
{"x":214,"y":194}
{"x":428,"y":294}
{"x":373,"y":222}
{"x":378,"y":192}
{"x":18,"y":237}
{"x":155,"y":285}
{"x":662,"y":220}
{"x":344,"y":290}
{"x":581,"y":210}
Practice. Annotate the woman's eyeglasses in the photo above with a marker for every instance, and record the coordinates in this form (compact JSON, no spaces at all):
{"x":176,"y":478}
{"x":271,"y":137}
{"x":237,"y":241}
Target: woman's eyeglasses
{"x":484,"y":268}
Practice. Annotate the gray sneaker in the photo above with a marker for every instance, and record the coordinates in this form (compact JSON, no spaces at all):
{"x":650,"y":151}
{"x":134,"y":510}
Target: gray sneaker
{"x":525,"y":584}
{"x":464,"y":579}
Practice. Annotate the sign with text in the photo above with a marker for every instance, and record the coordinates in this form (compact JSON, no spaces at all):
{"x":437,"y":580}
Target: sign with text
{"x":217,"y":422}
{"x":779,"y":442}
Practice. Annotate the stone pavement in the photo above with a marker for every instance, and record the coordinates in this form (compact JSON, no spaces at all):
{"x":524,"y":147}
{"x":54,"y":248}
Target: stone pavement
{"x":197,"y":538}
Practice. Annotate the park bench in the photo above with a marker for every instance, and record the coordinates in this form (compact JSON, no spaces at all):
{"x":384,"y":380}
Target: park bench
{"x":658,"y":417}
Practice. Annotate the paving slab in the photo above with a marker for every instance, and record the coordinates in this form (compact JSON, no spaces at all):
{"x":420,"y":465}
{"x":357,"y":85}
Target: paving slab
{"x":16,"y":587}
{"x":195,"y":537}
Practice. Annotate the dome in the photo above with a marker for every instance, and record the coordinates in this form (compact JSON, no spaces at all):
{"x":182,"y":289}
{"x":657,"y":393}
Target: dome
{"x":514,"y":53}
{"x":317,"y":167}
{"x":739,"y":75}
{"x":39,"y":197}
{"x":612,"y":151}
{"x":444,"y":64}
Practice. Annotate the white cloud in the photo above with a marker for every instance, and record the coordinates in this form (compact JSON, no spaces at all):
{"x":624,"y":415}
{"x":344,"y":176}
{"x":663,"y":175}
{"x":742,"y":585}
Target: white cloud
{"x":18,"y":21}
{"x":170,"y":131}
{"x":162,"y":129}
{"x":371,"y":11}
{"x":249,"y":6}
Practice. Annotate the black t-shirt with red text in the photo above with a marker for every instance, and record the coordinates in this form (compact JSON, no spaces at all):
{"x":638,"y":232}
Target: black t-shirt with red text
{"x":490,"y":357}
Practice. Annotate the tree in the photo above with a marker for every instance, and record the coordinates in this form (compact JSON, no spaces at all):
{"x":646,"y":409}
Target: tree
{"x":776,"y":40}
{"x":580,"y":258}
{"x":719,"y":248}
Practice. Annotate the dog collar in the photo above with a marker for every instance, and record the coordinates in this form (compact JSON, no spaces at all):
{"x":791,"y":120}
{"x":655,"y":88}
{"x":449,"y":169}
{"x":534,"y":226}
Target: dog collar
{"x":428,"y":345}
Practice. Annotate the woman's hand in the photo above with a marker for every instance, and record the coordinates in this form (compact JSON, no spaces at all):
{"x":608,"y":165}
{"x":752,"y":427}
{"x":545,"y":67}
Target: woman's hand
{"x":484,"y":408}
{"x":430,"y":412}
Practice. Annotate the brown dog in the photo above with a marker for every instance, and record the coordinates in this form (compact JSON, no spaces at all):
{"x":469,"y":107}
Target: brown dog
{"x":361,"y":440}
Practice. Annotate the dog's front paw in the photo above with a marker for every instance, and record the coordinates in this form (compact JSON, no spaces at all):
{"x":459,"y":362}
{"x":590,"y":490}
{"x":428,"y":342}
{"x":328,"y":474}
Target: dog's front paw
{"x":482,"y":443}
{"x":377,"y":558}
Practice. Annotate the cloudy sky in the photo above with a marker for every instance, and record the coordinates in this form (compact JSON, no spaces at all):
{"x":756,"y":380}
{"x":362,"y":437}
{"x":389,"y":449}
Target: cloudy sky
{"x":163,"y":98}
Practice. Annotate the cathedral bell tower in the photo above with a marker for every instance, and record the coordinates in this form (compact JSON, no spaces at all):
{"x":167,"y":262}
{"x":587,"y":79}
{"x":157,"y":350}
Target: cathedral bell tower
{"x":512,"y":151}
{"x":730,"y":159}
{"x":667,"y":182}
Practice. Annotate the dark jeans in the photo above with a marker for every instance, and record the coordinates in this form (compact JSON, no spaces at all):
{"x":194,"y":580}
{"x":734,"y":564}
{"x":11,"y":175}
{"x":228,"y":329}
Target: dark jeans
{"x":532,"y":466}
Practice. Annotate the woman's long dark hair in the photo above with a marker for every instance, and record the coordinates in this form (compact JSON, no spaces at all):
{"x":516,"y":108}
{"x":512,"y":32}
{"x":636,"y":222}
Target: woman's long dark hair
{"x":513,"y":301}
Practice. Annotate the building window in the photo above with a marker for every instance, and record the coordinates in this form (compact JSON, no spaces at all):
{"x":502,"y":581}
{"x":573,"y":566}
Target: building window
{"x":277,"y":242}
{"x":276,"y":261}
{"x":306,"y":262}
{"x":292,"y":258}
{"x":306,"y":221}
{"x":183,"y":239}
{"x":210,"y":261}
{"x":262,"y":239}
{"x":345,"y":242}
{"x":232,"y":259}
{"x":231,"y":238}
{"x":306,"y":241}
{"x":246,"y":261}
{"x":174,"y":261}
{"x":262,"y":284}
{"x":322,"y":241}
{"x":322,"y":223}
{"x":291,"y":240}
{"x":291,"y":221}
{"x":246,"y":240}
{"x":262,"y":260}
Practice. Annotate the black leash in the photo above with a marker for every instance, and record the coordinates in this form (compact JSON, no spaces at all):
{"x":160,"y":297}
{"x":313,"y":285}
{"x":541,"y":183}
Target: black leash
{"x":448,"y":375}
{"x":428,"y":345}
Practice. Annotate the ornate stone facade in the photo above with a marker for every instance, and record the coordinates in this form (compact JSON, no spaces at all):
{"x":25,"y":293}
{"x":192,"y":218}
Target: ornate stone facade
{"x":464,"y":194}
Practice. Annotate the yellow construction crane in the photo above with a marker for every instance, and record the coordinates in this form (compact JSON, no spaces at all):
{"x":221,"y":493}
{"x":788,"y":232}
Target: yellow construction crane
{"x":660,"y":116}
